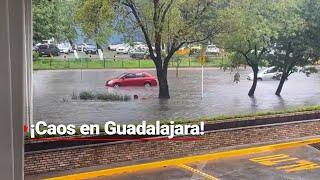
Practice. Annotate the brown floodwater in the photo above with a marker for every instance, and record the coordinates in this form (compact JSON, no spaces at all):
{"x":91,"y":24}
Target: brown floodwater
{"x":53,"y":91}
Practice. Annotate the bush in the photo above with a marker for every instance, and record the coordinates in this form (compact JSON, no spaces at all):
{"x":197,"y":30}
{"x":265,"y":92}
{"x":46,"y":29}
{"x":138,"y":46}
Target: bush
{"x":86,"y":95}
{"x":113,"y":97}
{"x":35,"y":55}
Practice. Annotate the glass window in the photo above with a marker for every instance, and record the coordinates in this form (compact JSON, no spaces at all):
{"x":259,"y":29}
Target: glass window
{"x":130,"y":75}
{"x":140,"y":75}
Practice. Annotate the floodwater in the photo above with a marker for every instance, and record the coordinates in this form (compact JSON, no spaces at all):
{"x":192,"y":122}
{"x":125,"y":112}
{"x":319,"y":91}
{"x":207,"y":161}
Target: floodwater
{"x":53,"y":91}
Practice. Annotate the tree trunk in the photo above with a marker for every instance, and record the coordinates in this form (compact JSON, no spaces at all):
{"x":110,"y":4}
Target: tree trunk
{"x":177,"y":70}
{"x":281,"y":83}
{"x":98,"y":46}
{"x":163,"y":83}
{"x":163,"y":88}
{"x":255,"y":80}
{"x":71,"y":43}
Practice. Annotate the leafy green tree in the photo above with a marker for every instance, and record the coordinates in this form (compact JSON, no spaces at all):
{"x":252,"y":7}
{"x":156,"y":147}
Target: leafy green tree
{"x":66,"y":26}
{"x":54,"y":19}
{"x":251,"y":25}
{"x":174,"y":22}
{"x":44,"y":20}
{"x":95,"y":18}
{"x":297,"y":44}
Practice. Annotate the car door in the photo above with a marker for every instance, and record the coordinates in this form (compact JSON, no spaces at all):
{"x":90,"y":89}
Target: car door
{"x":129,"y":80}
{"x":140,"y":79}
{"x":270,"y":73}
{"x":43,"y":50}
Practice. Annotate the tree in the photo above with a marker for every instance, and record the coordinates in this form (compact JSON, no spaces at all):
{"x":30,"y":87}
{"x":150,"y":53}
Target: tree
{"x":53,"y":19}
{"x":95,"y":18}
{"x":174,"y":22}
{"x":44,"y":24}
{"x":66,"y":27}
{"x":297,"y":44}
{"x":251,"y":26}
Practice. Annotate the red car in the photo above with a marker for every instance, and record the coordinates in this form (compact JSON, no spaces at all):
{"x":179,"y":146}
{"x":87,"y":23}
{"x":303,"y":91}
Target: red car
{"x":133,"y":79}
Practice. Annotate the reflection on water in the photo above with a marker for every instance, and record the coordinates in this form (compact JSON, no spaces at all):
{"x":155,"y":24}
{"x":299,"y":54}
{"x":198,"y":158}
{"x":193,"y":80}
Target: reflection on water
{"x":282,"y":102}
{"x":221,"y":96}
{"x":254,"y":104}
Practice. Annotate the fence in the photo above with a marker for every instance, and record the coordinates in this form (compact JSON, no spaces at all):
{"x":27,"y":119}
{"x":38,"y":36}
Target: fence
{"x":87,"y":63}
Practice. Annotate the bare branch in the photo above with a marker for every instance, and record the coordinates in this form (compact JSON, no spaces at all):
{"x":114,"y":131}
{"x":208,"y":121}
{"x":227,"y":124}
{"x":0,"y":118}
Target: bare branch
{"x":133,"y":8}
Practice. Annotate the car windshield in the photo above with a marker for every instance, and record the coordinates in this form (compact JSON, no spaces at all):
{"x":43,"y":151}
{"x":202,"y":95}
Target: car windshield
{"x":43,"y":46}
{"x":139,"y":50}
{"x":91,"y":46}
{"x":122,"y":75}
{"x":272,"y":70}
{"x":262,"y":69}
{"x":62,"y":46}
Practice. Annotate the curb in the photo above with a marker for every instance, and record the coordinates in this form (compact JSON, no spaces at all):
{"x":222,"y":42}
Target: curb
{"x":186,"y":160}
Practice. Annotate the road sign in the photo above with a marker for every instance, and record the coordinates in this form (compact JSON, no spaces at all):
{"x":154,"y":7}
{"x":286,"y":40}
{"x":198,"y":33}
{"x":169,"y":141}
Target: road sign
{"x":202,"y":59}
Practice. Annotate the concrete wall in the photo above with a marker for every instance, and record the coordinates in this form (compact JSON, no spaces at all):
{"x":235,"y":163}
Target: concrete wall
{"x":85,"y":156}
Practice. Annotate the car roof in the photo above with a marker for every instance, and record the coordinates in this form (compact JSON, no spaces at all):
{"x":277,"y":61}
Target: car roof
{"x":135,"y":72}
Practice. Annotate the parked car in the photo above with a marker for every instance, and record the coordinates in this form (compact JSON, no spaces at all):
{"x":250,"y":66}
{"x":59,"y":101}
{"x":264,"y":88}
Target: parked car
{"x":113,"y":47}
{"x":270,"y":73}
{"x":183,"y":51}
{"x":48,"y":50}
{"x":195,"y":49}
{"x":90,"y":49}
{"x":35,"y":48}
{"x":65,"y":48}
{"x":212,"y":49}
{"x":80,"y":47}
{"x":133,"y":79}
{"x":138,"y":53}
{"x":123,"y":49}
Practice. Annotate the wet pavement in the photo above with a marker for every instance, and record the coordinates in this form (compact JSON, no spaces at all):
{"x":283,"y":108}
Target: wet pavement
{"x":291,"y":160}
{"x":294,"y":163}
{"x":53,"y":91}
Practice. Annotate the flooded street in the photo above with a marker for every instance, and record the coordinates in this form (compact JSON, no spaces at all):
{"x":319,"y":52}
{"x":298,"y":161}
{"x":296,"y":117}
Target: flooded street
{"x":53,"y":91}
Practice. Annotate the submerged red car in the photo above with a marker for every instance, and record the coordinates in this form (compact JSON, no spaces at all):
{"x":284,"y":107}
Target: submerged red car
{"x":133,"y":79}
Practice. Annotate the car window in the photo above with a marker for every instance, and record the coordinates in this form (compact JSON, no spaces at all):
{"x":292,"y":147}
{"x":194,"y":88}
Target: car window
{"x":51,"y":46}
{"x":140,"y":75}
{"x":273,"y":70}
{"x":130,"y":75}
{"x":43,"y":47}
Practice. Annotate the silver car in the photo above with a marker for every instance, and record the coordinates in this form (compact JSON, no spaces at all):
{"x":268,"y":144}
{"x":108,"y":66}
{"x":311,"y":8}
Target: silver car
{"x":270,"y":73}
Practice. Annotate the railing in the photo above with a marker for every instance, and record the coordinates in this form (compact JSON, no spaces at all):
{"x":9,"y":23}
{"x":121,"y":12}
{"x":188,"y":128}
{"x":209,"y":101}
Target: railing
{"x":90,"y":63}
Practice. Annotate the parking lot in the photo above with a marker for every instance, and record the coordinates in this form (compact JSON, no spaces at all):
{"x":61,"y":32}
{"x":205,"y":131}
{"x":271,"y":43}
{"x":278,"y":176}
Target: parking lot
{"x":106,"y":54}
{"x":293,"y":160}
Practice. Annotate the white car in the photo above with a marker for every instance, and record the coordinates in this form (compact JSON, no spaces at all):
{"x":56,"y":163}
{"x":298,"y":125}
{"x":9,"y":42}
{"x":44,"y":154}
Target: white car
{"x":113,"y":47}
{"x":65,"y":48}
{"x":264,"y":74}
{"x":123,"y":49}
{"x":212,"y":49}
